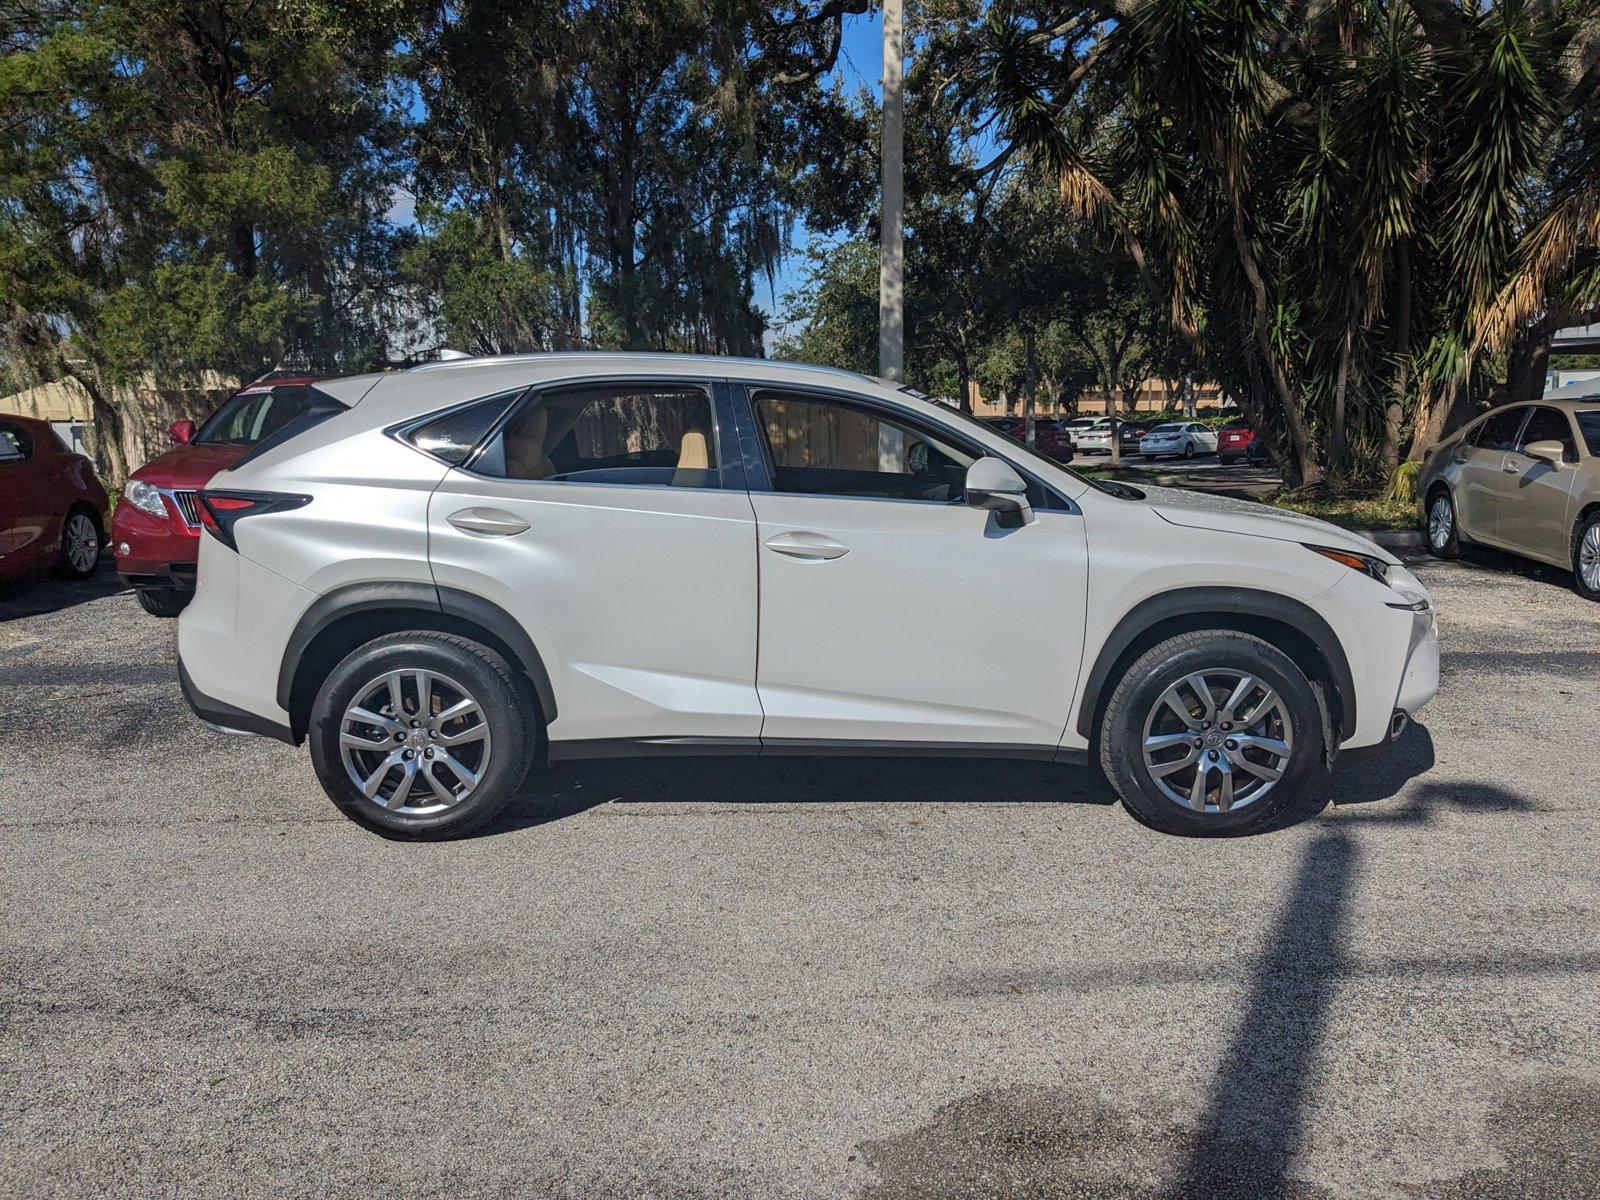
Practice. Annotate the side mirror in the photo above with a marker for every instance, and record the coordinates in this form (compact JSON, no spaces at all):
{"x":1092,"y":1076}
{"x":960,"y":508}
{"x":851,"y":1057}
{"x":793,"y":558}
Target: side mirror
{"x":994,"y":485}
{"x":182,"y":432}
{"x":1551,"y":451}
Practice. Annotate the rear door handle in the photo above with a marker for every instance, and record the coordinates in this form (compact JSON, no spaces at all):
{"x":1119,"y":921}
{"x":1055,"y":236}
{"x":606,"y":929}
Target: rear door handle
{"x":807,"y":546}
{"x":487,"y":522}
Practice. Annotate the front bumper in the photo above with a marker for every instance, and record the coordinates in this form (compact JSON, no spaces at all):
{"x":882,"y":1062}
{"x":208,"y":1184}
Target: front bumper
{"x":152,"y":551}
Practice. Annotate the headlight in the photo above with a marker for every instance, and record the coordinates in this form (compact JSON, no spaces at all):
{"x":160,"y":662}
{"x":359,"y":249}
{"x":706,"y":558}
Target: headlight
{"x":144,"y":497}
{"x":1369,"y":565}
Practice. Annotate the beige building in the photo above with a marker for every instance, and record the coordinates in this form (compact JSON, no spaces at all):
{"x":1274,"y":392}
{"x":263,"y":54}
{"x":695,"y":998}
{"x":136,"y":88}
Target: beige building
{"x":1155,"y":395}
{"x":65,"y":404}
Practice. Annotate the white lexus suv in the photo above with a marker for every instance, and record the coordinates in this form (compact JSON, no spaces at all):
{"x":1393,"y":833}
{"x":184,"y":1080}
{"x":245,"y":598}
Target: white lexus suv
{"x":443,"y":576}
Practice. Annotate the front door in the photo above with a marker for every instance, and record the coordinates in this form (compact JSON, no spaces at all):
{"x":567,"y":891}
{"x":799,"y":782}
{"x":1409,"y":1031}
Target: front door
{"x":1534,"y":493}
{"x":603,"y":520}
{"x":891,"y":611}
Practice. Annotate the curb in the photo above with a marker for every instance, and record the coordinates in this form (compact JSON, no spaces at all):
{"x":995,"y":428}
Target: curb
{"x":1393,"y":539}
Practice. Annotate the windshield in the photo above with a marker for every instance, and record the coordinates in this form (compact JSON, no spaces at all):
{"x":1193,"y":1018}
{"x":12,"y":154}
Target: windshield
{"x":1166,"y":429}
{"x":247,"y":417}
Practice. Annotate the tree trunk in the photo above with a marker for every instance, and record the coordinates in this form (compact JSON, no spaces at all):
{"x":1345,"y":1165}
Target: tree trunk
{"x":1341,"y":386}
{"x":1030,"y":388}
{"x":1395,"y":411}
{"x":108,"y":428}
{"x":1529,"y":360}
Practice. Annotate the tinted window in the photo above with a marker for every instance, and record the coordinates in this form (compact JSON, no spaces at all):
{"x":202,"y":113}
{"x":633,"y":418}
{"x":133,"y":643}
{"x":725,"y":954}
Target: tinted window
{"x":1549,"y":425}
{"x":14,"y":443}
{"x":454,"y":436}
{"x":1589,"y":426}
{"x":639,"y":435}
{"x":1499,"y":432}
{"x":823,"y":448}
{"x":247,"y":417}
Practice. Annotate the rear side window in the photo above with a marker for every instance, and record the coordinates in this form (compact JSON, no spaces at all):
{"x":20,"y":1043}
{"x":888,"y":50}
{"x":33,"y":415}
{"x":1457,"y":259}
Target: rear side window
{"x":1549,"y":425}
{"x":14,"y":444}
{"x":1589,"y":426}
{"x":453,"y":437}
{"x":641,"y":435}
{"x":1499,"y":432}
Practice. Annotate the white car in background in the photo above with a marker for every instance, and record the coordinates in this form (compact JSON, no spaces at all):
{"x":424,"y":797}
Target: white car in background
{"x":1183,"y":439}
{"x":459,"y":572}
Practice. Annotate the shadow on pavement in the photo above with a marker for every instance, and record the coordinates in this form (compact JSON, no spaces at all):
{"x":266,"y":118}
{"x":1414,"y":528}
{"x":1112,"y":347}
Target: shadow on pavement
{"x":35,"y":595}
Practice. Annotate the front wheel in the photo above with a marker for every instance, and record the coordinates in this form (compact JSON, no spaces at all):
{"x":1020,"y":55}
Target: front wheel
{"x":1586,"y":558}
{"x":1188,"y":449}
{"x":421,"y":735}
{"x":1211,"y":733}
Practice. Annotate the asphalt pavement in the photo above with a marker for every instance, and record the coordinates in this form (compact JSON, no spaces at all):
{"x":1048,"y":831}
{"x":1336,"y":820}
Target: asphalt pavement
{"x":799,"y":978}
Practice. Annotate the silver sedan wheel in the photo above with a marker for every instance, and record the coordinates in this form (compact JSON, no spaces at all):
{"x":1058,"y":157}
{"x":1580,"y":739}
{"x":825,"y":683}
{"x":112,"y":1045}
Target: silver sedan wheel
{"x":1217,"y":740}
{"x":81,"y":540}
{"x":1589,"y":558}
{"x":1441,"y":519}
{"x":414,"y":742}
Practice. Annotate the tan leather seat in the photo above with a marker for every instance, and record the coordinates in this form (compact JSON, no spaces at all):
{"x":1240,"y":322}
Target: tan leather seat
{"x":525,"y":456}
{"x":694,"y":459}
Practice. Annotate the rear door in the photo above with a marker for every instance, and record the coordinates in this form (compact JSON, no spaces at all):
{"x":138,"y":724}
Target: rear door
{"x":611,"y":522}
{"x":25,"y":497}
{"x":1534,"y":494}
{"x":1482,"y":466}
{"x":891,"y":611}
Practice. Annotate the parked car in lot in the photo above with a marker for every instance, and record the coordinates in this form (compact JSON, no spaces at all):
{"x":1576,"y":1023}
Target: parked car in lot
{"x":1236,"y":440}
{"x":460,"y":569}
{"x":155,"y":531}
{"x":1524,"y":478}
{"x":1047,"y":436}
{"x":1184,"y":439}
{"x":1095,"y":438}
{"x":52,"y":507}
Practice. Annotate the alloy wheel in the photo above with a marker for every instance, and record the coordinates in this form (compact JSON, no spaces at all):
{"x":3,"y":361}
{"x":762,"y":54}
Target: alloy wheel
{"x":1589,"y":557}
{"x":414,"y":742}
{"x":1217,"y":740}
{"x":1440,"y":521}
{"x":82,"y":543}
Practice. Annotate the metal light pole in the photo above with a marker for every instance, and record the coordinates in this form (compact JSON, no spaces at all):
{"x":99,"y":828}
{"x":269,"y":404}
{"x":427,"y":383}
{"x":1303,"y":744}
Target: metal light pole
{"x":891,"y":254}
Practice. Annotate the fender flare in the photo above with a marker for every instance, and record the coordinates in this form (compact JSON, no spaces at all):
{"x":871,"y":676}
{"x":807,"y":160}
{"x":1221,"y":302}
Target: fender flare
{"x":1200,"y":601}
{"x":379,"y":597}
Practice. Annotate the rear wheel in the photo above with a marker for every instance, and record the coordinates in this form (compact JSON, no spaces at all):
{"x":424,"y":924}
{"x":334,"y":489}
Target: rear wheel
{"x":80,"y":543}
{"x":1188,"y":449}
{"x":1444,"y":536}
{"x":1227,"y":460}
{"x":421,"y":735}
{"x":1211,"y":733}
{"x":162,"y":601}
{"x":1586,"y":557}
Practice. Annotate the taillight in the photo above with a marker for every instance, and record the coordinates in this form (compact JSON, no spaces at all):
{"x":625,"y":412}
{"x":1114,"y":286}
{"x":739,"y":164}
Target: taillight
{"x":219,"y":511}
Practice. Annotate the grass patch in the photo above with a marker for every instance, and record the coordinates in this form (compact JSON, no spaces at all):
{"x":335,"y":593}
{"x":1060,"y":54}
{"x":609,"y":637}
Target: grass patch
{"x":1352,"y":512}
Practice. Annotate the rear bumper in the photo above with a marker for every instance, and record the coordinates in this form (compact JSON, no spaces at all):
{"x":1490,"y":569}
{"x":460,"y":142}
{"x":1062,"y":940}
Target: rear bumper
{"x":225,"y":718}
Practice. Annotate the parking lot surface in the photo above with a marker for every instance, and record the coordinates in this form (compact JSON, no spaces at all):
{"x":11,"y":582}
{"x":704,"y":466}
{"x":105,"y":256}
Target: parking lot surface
{"x":796,"y":978}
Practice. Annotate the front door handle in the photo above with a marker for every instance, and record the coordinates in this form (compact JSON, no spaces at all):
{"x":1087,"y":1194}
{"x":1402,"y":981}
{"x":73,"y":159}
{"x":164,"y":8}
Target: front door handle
{"x":808,"y":547}
{"x":1511,"y":468}
{"x":487,"y":522}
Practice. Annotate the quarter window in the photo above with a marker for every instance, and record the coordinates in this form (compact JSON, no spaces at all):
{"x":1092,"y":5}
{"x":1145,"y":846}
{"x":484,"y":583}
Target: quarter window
{"x":630,"y":434}
{"x":1549,"y":425}
{"x":819,"y":447}
{"x":14,"y":444}
{"x":452,"y":437}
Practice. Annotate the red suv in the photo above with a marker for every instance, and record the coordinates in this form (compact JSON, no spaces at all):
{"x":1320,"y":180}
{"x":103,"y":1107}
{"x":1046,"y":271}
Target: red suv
{"x":155,"y":531}
{"x":52,"y":508}
{"x":1235,"y":440}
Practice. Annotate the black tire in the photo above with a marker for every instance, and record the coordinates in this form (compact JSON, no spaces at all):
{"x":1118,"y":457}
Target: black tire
{"x":460,"y":665}
{"x":65,"y":563}
{"x":162,"y":601}
{"x":1443,"y":542}
{"x":1227,"y":657}
{"x":1227,"y":460}
{"x":1188,"y":449}
{"x":1585,"y":542}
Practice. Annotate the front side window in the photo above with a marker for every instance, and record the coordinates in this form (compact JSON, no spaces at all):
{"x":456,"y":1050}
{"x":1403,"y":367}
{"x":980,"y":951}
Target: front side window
{"x":1549,"y":425}
{"x":1499,"y":432}
{"x":821,"y":447}
{"x":1589,"y":426}
{"x":642,"y":435}
{"x":248,"y":417}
